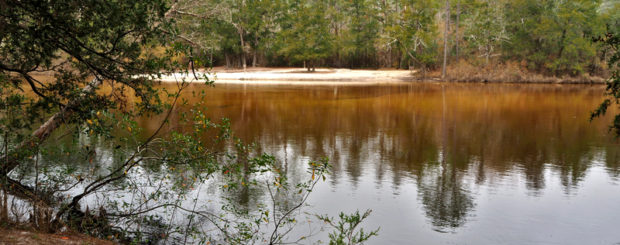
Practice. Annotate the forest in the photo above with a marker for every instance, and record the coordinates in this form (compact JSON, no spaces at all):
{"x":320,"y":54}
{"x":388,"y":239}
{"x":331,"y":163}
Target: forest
{"x":551,"y":37}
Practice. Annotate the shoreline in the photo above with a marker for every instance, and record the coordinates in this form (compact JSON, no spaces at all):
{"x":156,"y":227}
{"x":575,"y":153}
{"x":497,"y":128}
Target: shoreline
{"x":340,"y":76}
{"x":322,"y":76}
{"x":22,"y":236}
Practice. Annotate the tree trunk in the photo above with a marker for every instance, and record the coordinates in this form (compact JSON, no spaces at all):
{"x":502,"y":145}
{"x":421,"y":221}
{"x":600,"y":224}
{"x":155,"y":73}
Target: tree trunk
{"x":14,"y":158}
{"x":227,"y":60}
{"x":211,"y":58}
{"x":4,"y":208}
{"x":562,"y":38}
{"x":243,"y":63}
{"x":488,"y":47}
{"x":456,"y":28}
{"x":445,"y":40}
{"x":488,"y":54}
{"x":389,"y":58}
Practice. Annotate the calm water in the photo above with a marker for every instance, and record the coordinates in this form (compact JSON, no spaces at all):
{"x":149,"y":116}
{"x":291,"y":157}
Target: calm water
{"x":444,"y":164}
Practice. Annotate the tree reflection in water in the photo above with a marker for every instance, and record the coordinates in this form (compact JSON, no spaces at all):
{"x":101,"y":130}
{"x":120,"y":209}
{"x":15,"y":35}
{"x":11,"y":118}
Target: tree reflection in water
{"x":446,"y":203}
{"x":447,"y":139}
{"x":445,"y":200}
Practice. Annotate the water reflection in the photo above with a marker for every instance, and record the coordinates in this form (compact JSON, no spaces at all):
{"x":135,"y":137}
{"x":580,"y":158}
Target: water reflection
{"x":450,"y":140}
{"x":445,"y":200}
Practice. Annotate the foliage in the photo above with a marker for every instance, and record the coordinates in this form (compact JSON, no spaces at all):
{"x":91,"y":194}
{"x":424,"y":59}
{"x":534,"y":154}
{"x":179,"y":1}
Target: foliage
{"x":359,"y":39}
{"x":612,"y":41}
{"x":413,"y":32}
{"x":554,"y":36}
{"x":550,"y":37}
{"x":346,"y":228}
{"x":80,"y":44}
{"x":305,"y":37}
{"x":486,"y":29}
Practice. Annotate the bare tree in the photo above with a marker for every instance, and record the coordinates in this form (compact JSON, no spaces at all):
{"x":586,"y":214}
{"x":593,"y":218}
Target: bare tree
{"x":456,"y":29}
{"x":445,"y":40}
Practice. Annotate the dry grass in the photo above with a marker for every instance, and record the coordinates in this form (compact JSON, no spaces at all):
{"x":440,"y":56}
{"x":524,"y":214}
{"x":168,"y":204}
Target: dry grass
{"x":23,"y":237}
{"x":28,"y":227}
{"x":510,"y":72}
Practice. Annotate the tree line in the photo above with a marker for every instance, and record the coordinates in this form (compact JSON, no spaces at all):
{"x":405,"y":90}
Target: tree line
{"x":553,"y":37}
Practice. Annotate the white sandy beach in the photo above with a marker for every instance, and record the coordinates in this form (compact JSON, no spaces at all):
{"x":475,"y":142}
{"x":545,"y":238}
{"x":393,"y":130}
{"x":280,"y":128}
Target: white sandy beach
{"x":297,"y":76}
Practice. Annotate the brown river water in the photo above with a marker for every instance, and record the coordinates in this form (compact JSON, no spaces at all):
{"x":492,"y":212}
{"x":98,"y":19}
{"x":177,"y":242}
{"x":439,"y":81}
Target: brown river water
{"x":444,"y":163}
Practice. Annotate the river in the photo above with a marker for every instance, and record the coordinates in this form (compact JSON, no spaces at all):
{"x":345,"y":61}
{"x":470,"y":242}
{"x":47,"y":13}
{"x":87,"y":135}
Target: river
{"x":444,"y":163}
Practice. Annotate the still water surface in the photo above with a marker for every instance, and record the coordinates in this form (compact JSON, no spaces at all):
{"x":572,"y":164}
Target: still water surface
{"x":444,"y":163}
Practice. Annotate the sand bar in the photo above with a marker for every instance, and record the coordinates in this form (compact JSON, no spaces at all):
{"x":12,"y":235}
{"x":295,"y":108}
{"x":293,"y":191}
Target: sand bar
{"x":296,"y":76}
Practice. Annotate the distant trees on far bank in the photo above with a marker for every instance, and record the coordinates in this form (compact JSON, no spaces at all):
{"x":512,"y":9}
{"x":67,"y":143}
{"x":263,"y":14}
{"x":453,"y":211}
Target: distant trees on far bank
{"x":552,"y":37}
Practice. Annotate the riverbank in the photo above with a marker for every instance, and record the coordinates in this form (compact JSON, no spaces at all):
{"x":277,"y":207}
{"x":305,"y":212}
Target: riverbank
{"x":321,"y":76}
{"x":24,"y":237}
{"x":509,"y":73}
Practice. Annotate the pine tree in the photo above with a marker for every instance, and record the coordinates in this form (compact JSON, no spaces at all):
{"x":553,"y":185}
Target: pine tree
{"x":306,"y":38}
